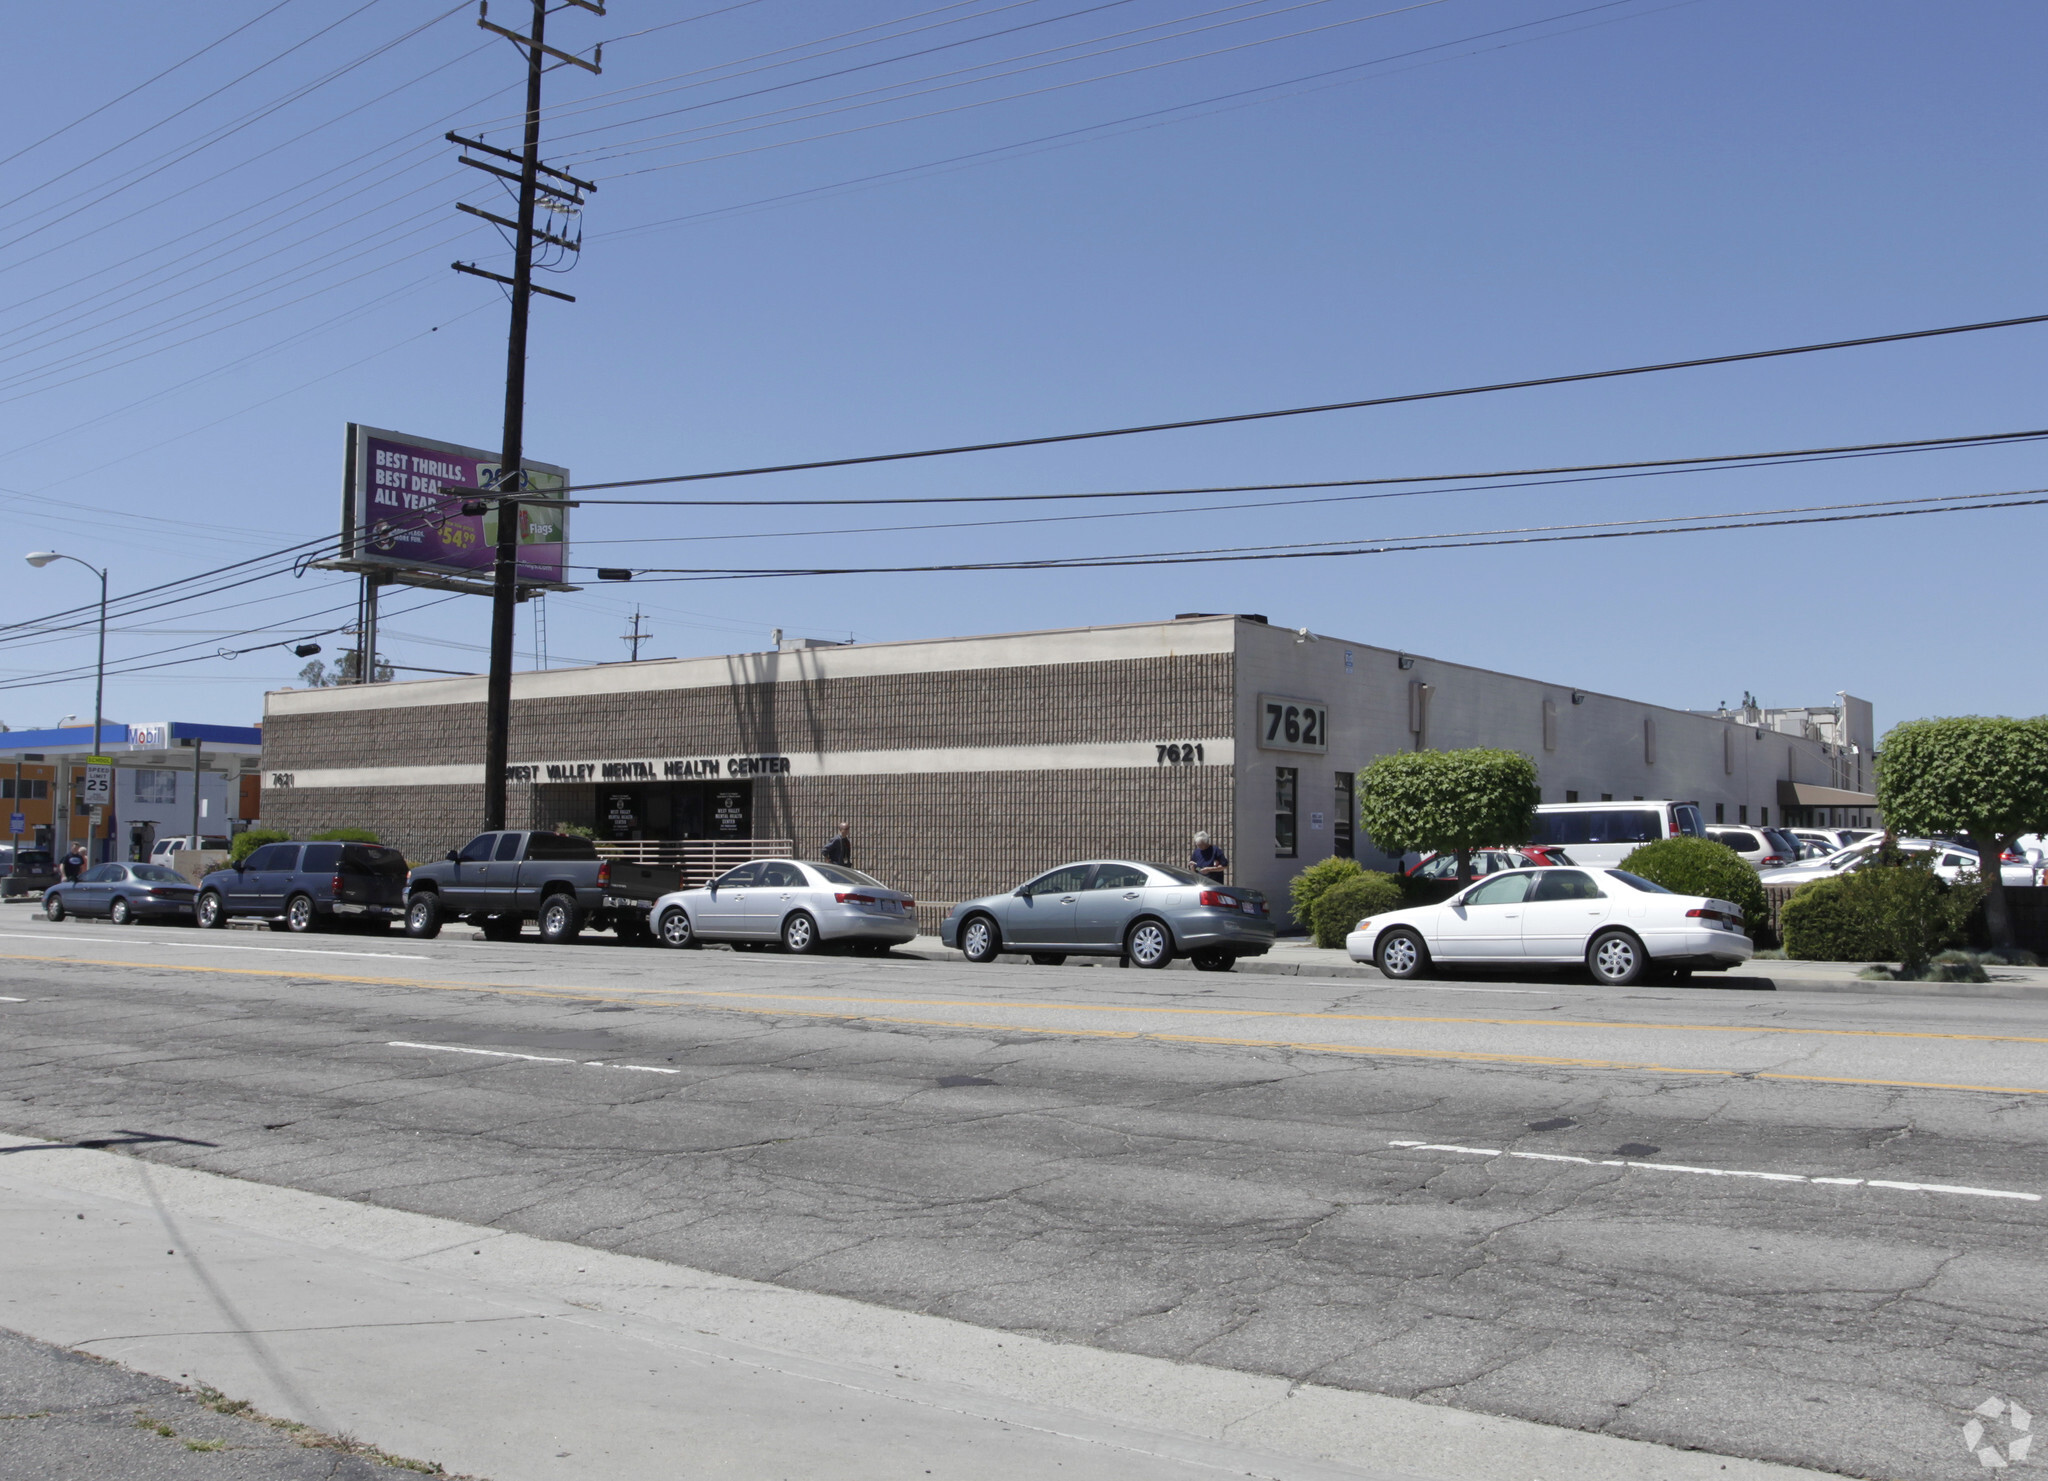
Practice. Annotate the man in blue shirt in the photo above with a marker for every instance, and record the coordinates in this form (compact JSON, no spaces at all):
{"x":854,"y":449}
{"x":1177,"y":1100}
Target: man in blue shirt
{"x":1209,"y":860}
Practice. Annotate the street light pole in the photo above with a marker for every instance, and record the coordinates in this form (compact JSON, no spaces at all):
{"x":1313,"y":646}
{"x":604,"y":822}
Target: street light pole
{"x":41,"y":558}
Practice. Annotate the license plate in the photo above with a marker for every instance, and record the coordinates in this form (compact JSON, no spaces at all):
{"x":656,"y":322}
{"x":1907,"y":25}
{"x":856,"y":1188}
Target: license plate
{"x":1250,"y":907}
{"x":895,"y":905}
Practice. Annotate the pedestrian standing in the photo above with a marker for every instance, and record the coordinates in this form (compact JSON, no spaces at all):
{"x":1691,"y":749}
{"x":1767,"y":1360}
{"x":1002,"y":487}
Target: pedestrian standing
{"x":74,"y":865}
{"x":840,"y":850}
{"x":1210,"y":861}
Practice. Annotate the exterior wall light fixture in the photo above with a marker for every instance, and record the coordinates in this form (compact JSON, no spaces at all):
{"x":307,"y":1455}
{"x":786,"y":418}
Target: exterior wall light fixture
{"x":1407,"y":662}
{"x":1578,"y":697}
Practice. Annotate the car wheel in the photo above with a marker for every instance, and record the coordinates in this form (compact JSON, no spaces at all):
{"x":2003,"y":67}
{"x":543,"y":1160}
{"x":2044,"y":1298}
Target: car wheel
{"x":675,"y":929}
{"x":121,"y":913}
{"x":423,"y":917}
{"x":1402,"y":955}
{"x":1214,"y":961}
{"x":298,"y":914}
{"x":800,"y":934}
{"x":212,"y":912}
{"x":53,"y":907}
{"x":1148,"y":944}
{"x":1048,"y":958}
{"x":560,"y":920}
{"x":1617,"y":959}
{"x":980,"y":941}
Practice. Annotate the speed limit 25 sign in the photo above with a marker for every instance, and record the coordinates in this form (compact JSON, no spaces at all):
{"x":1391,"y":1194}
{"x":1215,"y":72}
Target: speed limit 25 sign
{"x":1293,"y":724}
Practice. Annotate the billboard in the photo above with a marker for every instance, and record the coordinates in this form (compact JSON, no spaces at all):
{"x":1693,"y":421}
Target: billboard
{"x":397,"y":510}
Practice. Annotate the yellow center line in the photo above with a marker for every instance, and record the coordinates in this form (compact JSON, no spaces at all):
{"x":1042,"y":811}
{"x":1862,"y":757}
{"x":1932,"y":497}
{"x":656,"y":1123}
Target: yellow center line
{"x":986,"y":1005}
{"x":1468,"y":1056}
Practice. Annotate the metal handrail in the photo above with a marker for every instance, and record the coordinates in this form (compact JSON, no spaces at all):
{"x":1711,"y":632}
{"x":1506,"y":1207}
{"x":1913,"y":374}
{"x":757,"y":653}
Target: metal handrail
{"x":699,"y":859}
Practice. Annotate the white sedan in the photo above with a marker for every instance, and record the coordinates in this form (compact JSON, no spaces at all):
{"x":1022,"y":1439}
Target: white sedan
{"x":807,"y":907}
{"x":1622,"y":927}
{"x":1951,"y":862}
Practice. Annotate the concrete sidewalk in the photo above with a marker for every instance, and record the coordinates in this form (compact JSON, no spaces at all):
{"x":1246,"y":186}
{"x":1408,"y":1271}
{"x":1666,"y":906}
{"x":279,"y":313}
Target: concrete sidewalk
{"x":515,"y":1358}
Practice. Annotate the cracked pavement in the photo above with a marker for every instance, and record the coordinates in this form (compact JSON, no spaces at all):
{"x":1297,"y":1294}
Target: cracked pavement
{"x":1188,"y":1167}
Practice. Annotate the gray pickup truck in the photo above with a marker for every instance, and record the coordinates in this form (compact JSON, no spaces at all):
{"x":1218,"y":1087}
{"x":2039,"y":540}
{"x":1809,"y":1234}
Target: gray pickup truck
{"x":497,"y":881}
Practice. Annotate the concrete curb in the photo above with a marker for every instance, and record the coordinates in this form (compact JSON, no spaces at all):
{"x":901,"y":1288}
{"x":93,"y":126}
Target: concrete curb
{"x":1760,"y":976}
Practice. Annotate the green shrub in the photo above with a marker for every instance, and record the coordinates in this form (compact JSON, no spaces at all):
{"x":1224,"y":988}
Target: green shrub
{"x":1904,"y":914}
{"x":1340,"y":908}
{"x":575,"y":830}
{"x":344,"y":835}
{"x":247,"y":843}
{"x":1700,"y":866}
{"x":1307,"y":887}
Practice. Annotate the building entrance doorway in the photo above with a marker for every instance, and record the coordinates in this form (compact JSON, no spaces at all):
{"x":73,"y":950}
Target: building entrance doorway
{"x":675,"y":811}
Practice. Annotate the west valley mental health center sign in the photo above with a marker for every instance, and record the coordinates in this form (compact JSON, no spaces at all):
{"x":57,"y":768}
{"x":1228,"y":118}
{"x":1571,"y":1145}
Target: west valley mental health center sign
{"x":673,"y":769}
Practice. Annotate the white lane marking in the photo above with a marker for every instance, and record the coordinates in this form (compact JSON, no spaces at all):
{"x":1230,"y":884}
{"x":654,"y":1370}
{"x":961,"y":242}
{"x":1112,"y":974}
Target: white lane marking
{"x":13,"y":1000}
{"x":1723,"y":1172}
{"x":490,"y":1053}
{"x":396,"y":956}
{"x":645,"y":1069}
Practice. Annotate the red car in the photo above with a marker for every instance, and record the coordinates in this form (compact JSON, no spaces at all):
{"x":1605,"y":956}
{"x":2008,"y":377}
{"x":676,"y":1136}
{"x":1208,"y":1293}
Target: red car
{"x":1443,"y":868}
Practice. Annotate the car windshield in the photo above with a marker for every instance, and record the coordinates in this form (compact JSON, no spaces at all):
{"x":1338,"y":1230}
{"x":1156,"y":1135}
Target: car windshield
{"x":1637,"y":882}
{"x":1178,"y":876}
{"x":840,"y":874}
{"x":156,"y":874}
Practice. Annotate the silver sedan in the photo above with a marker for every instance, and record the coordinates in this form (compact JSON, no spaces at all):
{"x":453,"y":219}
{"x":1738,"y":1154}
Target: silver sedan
{"x":1145,"y":913}
{"x":807,"y":907}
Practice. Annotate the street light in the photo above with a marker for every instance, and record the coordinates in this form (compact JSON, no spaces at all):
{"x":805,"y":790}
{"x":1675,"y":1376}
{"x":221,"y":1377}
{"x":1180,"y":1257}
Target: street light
{"x":41,"y":558}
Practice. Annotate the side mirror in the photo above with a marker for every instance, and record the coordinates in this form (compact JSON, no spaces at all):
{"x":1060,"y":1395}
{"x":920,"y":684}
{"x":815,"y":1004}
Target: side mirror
{"x":452,"y":857}
{"x":239,"y":865}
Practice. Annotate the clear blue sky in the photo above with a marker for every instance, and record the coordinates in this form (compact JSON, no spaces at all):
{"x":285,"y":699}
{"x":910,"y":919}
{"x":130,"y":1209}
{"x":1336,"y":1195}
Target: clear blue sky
{"x":194,"y":303}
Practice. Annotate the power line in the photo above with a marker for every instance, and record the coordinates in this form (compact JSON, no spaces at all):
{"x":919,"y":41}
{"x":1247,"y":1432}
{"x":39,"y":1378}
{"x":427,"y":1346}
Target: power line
{"x":1297,"y":411}
{"x":1151,"y":118}
{"x":1981,"y":439}
{"x":622,"y":152}
{"x":150,"y":82}
{"x":624,"y":147}
{"x":1531,"y":535}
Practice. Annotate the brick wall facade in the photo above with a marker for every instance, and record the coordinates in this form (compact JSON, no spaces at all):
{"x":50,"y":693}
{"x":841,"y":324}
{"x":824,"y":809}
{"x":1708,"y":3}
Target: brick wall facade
{"x":1145,"y":699}
{"x":944,"y":837}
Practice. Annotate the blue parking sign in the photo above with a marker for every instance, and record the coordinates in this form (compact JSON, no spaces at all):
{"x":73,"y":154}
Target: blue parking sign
{"x":17,"y":823}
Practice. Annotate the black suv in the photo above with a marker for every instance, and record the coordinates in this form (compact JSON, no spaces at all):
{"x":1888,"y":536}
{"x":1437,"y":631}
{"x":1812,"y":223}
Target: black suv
{"x":304,"y":886}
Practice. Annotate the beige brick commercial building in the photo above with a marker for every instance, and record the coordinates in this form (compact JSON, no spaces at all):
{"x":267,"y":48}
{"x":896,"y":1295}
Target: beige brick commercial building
{"x":968,"y":764}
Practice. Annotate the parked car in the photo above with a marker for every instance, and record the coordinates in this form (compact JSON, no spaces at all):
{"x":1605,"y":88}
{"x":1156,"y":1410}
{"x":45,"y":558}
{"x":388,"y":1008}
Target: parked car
{"x":1146,"y":913}
{"x":124,"y":893}
{"x":1604,"y":833}
{"x":28,"y":871}
{"x":1757,"y":847}
{"x":1444,"y":867}
{"x":165,"y":847}
{"x":496,"y":881}
{"x":807,"y":907}
{"x":1621,"y":927}
{"x":305,"y":886}
{"x":1950,"y":861}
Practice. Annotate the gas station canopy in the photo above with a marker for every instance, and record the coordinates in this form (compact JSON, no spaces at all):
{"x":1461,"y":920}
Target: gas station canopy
{"x":159,"y":743}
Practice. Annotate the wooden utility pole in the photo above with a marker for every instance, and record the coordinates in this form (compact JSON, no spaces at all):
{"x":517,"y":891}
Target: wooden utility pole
{"x":511,"y":478}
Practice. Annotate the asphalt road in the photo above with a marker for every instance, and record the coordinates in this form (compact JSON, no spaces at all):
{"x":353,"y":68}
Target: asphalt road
{"x":1804,"y":1228}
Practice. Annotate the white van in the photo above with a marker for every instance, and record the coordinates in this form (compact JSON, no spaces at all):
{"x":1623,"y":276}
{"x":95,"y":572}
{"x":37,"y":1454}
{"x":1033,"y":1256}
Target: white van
{"x":1601,"y":834}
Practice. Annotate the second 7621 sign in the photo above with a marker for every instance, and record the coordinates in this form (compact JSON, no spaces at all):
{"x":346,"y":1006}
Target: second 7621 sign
{"x":1293,"y":724}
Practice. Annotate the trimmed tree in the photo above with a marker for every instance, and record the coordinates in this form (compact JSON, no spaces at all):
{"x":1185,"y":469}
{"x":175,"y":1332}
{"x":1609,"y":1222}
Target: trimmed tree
{"x":1700,"y":866}
{"x":1984,"y":778}
{"x":1449,"y":801}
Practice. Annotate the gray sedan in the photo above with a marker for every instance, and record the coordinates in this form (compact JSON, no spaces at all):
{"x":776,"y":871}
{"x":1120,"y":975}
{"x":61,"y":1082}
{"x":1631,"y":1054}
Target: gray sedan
{"x":807,"y":907}
{"x":1145,"y":913}
{"x":124,"y":893}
